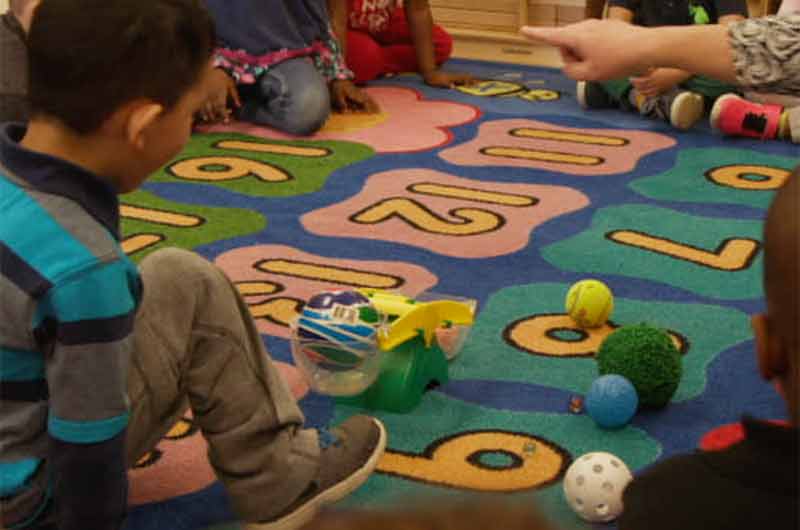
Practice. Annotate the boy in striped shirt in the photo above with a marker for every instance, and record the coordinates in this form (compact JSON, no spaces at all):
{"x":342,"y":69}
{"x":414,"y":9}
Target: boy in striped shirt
{"x":99,"y":358}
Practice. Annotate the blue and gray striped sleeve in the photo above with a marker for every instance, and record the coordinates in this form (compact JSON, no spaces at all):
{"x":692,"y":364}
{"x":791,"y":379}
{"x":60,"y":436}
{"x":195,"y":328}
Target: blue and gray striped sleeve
{"x":89,"y":319}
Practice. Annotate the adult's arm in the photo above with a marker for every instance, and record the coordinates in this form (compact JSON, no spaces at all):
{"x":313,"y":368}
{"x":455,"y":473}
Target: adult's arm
{"x":759,"y":54}
{"x":597,"y":50}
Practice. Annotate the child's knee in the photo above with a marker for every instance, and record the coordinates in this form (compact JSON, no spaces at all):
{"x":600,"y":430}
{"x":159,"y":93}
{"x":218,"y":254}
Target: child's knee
{"x":308,"y":110}
{"x":172,"y":258}
{"x":176,"y":266}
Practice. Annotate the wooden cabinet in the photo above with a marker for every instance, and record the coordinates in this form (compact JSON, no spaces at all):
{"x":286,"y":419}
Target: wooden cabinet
{"x":506,"y":16}
{"x":489,"y":29}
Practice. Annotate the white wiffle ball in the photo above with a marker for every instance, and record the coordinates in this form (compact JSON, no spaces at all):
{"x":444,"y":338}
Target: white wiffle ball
{"x":594,"y":484}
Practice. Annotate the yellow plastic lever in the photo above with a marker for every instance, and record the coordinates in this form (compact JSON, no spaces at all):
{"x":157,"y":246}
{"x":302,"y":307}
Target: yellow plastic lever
{"x":424,"y":317}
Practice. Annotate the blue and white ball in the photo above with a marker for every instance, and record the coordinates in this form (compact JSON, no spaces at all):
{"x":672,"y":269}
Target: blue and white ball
{"x":612,"y":401}
{"x":334,"y":342}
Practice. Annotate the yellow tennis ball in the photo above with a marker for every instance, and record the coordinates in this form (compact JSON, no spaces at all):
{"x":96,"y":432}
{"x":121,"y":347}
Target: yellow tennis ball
{"x":590,"y":303}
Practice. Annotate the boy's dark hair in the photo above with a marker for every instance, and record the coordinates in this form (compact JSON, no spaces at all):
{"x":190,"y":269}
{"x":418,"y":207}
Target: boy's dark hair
{"x":89,"y":57}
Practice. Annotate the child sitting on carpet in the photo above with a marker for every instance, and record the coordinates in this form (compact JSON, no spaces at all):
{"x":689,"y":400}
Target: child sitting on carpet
{"x":99,"y":359}
{"x":754,"y":483}
{"x":670,"y":94}
{"x":379,"y":37}
{"x":285,"y":62}
{"x":13,"y":60}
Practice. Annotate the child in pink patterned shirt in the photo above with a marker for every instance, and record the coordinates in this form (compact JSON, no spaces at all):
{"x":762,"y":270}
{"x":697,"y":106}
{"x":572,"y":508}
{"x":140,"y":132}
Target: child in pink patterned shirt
{"x":280,"y":65}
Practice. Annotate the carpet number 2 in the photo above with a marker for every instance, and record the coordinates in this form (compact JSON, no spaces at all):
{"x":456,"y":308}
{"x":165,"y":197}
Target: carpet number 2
{"x":468,"y":221}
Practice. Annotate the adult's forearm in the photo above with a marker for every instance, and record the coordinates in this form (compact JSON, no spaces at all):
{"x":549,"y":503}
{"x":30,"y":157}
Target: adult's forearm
{"x":709,"y":54}
{"x":759,"y":54}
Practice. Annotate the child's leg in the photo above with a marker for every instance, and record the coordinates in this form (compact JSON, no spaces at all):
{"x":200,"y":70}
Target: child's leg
{"x":618,"y":89}
{"x":195,"y":342}
{"x":291,"y":96}
{"x":364,"y":56}
{"x":705,"y":86}
{"x":398,"y":47}
{"x":605,"y":95}
{"x":681,"y":107}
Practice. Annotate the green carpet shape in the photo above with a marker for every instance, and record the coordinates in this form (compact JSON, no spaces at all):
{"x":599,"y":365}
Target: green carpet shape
{"x":691,"y":180}
{"x":214,"y":223}
{"x":488,"y":356}
{"x":440,"y":416}
{"x":287,"y":169}
{"x":704,"y":234}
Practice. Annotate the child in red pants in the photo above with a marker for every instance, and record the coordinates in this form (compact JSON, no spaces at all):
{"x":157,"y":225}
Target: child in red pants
{"x":380,"y":37}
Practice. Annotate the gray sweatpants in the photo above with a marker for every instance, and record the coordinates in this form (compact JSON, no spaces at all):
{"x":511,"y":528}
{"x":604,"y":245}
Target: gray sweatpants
{"x":196,"y":346}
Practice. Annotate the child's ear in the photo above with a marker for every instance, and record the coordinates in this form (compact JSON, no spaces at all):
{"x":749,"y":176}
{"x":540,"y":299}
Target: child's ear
{"x":140,"y":118}
{"x":772,"y":358}
{"x":24,"y":10}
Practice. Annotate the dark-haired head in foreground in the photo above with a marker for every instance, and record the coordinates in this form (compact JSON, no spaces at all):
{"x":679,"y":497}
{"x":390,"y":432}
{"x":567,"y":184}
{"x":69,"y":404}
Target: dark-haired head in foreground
{"x":114,"y":85}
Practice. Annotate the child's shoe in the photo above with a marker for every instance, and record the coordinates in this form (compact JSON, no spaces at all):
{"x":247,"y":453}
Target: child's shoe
{"x":592,"y":95}
{"x":681,"y":108}
{"x":349,"y":454}
{"x":735,"y":116}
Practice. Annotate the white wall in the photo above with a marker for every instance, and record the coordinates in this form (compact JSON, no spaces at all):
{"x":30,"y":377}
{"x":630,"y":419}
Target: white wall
{"x":3,"y":5}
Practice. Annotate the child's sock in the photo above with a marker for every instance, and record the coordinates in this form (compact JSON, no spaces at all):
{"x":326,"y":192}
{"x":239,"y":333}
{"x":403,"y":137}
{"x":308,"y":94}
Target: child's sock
{"x":784,"y":128}
{"x":635,"y":99}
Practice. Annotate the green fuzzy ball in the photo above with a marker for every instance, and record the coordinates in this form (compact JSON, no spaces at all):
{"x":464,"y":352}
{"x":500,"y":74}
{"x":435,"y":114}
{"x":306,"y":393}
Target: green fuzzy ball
{"x":647,"y":357}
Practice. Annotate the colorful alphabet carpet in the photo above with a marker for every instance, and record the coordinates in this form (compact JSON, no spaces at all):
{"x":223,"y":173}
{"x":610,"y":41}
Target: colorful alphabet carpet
{"x":506,"y":193}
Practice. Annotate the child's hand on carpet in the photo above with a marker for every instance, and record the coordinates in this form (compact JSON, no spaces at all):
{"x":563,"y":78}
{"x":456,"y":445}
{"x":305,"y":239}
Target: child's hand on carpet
{"x":347,"y":97}
{"x":222,"y":91}
{"x":440,"y":79}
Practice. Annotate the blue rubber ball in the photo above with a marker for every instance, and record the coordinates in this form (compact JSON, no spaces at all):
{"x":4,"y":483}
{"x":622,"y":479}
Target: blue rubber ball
{"x":612,"y":401}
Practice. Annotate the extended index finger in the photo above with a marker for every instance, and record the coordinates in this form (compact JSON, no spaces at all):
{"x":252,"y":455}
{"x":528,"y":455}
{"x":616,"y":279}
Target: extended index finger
{"x":548,"y":35}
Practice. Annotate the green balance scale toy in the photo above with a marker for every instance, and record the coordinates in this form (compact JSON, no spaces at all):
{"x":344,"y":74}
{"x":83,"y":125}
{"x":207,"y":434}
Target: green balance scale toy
{"x":376,"y":349}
